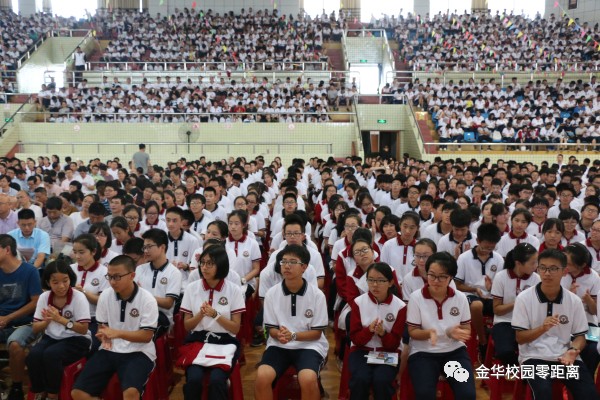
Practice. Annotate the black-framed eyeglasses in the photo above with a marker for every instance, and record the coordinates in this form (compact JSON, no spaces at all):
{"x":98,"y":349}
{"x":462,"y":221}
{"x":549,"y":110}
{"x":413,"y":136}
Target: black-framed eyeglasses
{"x":116,"y":278}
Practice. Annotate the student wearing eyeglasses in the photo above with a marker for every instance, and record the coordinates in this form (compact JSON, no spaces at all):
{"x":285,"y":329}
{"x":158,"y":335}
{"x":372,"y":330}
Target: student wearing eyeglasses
{"x":376,"y":324}
{"x":550,"y":326}
{"x":127,"y":317}
{"x":439,"y":324}
{"x":295,"y":316}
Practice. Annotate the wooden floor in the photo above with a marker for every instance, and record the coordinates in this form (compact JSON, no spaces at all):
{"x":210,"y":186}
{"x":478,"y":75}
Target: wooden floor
{"x":330,"y":376}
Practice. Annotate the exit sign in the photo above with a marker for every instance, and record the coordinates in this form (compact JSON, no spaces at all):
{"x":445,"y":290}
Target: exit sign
{"x":363,"y":61}
{"x":382,"y":121}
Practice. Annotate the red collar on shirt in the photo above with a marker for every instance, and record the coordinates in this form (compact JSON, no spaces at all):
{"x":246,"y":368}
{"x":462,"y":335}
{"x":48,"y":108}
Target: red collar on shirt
{"x":104,"y":253}
{"x":91,"y":269}
{"x":513,"y":236}
{"x":137,"y":227}
{"x":417,"y":274}
{"x":69,"y":298}
{"x":388,"y":299}
{"x":217,"y":288}
{"x":543,"y":247}
{"x":149,"y":224}
{"x":585,"y":271}
{"x":401,"y":243}
{"x":588,"y":243}
{"x":427,"y":295}
{"x":512,"y":275}
{"x":242,"y":239}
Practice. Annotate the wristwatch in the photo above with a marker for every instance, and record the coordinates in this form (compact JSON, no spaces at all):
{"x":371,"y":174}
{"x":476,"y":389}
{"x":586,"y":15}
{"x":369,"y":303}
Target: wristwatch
{"x":244,"y":281}
{"x":69,"y":325}
{"x":574,"y":348}
{"x":294,"y":337}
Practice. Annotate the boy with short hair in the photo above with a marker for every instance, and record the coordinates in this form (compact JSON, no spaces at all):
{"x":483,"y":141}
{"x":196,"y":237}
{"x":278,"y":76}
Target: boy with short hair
{"x":550,"y":326}
{"x":476,"y":271}
{"x":127,"y":316}
{"x":159,"y":276}
{"x":181,"y":244}
{"x":295,"y":316}
{"x":460,"y":239}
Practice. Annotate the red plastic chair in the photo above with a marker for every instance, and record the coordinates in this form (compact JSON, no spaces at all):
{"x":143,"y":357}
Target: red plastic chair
{"x":287,"y":386}
{"x":151,"y":392}
{"x":236,"y":391}
{"x":163,"y":368}
{"x":497,"y":385}
{"x":70,"y":374}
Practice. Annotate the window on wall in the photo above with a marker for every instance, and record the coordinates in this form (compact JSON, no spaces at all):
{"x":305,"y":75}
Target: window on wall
{"x":518,"y":7}
{"x":74,"y":8}
{"x":378,"y":8}
{"x":316,"y":7}
{"x":449,"y":6}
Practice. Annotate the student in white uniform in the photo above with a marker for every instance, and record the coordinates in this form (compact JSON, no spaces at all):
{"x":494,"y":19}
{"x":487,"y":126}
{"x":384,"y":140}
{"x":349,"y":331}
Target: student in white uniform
{"x":376,"y":324}
{"x":159,"y":276}
{"x":89,"y":274}
{"x":295,"y":317}
{"x":582,"y":280}
{"x":212,"y":308}
{"x":520,"y":220}
{"x":246,"y":250}
{"x":232,"y":276}
{"x":62,"y":315}
{"x":121,"y":233}
{"x":592,"y":243}
{"x":399,"y":251}
{"x":127,"y":316}
{"x":570,"y":218}
{"x":151,"y":220}
{"x":551,"y":326}
{"x":460,"y":239}
{"x":439,"y":322}
{"x":518,"y":275}
{"x":476,"y":271}
{"x":103,"y":235}
{"x":181,"y":244}
{"x":437,"y":230}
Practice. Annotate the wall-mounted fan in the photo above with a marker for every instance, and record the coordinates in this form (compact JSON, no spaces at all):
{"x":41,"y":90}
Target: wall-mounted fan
{"x":189,"y":133}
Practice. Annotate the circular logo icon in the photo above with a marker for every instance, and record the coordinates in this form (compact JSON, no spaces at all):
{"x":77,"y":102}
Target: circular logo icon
{"x":134,"y":313}
{"x":246,"y":254}
{"x":185,"y":254}
{"x":164,"y":280}
{"x":563,"y":319}
{"x":390,"y":317}
{"x":95,"y":282}
{"x":223,"y":301}
{"x":494,"y":268}
{"x":454,"y":311}
{"x":308,"y":313}
{"x":68,"y":314}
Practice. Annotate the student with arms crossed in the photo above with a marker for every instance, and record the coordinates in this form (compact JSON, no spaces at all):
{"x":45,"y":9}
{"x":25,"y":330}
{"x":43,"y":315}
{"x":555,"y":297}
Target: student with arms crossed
{"x":295,"y":315}
{"x":550,"y":326}
{"x":127,"y":348}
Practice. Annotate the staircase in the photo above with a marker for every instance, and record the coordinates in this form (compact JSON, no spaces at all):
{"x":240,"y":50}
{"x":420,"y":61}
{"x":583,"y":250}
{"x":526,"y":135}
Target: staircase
{"x":334,"y":51}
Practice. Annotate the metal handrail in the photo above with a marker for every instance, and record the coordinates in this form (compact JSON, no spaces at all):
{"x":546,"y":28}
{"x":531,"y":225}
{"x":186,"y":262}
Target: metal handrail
{"x":300,"y":145}
{"x":506,"y":66}
{"x":194,"y":65}
{"x":87,"y":36}
{"x":42,"y":39}
{"x":11,"y":119}
{"x":427,"y":146}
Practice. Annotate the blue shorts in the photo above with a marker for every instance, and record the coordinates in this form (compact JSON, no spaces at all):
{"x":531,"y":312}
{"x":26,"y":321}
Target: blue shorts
{"x":488,"y":304}
{"x":133,"y":370}
{"x":23,"y":335}
{"x":280,"y":359}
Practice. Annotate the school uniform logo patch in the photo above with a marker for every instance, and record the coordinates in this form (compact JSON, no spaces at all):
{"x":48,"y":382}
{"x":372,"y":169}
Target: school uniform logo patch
{"x":563,"y":319}
{"x":390,"y":317}
{"x":308,"y":313}
{"x":164,"y":280}
{"x":246,"y":254}
{"x":68,"y":314}
{"x":494,"y":268}
{"x":95,"y":282}
{"x":223,"y":301}
{"x":454,"y":311}
{"x":134,"y":313}
{"x":185,"y":254}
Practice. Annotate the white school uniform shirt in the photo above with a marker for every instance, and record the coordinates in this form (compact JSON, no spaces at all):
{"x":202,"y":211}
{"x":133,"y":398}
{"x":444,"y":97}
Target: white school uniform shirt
{"x":164,"y":281}
{"x":472,"y":270}
{"x":201,"y":225}
{"x":76,"y":309}
{"x":160,"y":224}
{"x":226,"y":298}
{"x":398,"y":255}
{"x":531,"y":309}
{"x":509,"y":241}
{"x":535,"y":229}
{"x":366,"y":309}
{"x":232,"y":277}
{"x":278,"y":242}
{"x":425,"y":313}
{"x":588,"y":280}
{"x":246,"y":252}
{"x":93,"y":281}
{"x":448,"y":244}
{"x":218,"y":213}
{"x":116,"y":247}
{"x":578,"y":237}
{"x":107,"y":256}
{"x":507,"y":286}
{"x":140,"y":311}
{"x":595,"y":254}
{"x":269,"y":278}
{"x":433,"y":232}
{"x":414,"y":281}
{"x":298,"y":312}
{"x":316,"y":260}
{"x":182,"y":250}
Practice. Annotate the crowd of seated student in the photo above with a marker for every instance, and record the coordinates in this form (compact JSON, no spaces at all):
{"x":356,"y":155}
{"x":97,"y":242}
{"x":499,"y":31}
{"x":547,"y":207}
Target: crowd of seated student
{"x":535,"y":112}
{"x":404,"y":231}
{"x":261,"y":40}
{"x":491,"y":44}
{"x":206,"y":100}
